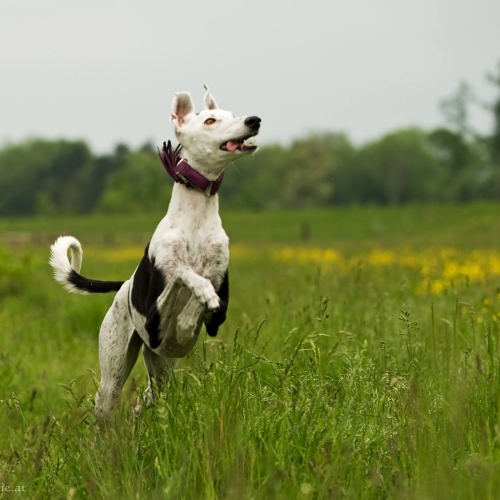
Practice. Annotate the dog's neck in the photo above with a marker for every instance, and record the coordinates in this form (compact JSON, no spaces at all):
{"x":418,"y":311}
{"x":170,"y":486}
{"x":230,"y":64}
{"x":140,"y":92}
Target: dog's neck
{"x":211,"y":173}
{"x":196,"y":204}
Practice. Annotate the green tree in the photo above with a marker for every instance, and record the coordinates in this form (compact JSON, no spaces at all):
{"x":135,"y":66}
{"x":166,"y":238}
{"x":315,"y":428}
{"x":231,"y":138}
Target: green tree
{"x":462,"y":163}
{"x":39,"y":176}
{"x":139,"y":184}
{"x":311,"y":177}
{"x":494,"y":140}
{"x":255,"y":181}
{"x":302,"y":175}
{"x":456,"y":109}
{"x":398,"y":168}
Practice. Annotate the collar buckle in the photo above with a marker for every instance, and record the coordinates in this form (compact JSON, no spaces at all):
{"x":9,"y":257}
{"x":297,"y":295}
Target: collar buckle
{"x":208,"y":191}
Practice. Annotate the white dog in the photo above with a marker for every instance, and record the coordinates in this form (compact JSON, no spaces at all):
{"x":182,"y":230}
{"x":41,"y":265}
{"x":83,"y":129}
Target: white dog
{"x":182,"y":280}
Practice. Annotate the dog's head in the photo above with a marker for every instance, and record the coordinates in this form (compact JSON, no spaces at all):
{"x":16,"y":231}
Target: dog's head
{"x":212,"y":138}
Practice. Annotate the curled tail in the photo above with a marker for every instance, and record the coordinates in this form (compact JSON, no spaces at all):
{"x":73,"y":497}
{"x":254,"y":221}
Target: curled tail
{"x":68,"y":273}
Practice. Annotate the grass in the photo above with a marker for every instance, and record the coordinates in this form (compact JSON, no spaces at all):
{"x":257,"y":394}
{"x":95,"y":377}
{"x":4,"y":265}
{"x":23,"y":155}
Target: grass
{"x":475,"y":225}
{"x":332,"y":378}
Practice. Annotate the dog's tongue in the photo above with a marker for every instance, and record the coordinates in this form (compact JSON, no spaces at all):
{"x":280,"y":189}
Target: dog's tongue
{"x":232,"y":145}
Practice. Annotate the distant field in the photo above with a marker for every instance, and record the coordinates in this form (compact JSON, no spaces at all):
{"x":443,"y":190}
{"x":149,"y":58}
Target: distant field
{"x":360,"y":359}
{"x":463,"y":225}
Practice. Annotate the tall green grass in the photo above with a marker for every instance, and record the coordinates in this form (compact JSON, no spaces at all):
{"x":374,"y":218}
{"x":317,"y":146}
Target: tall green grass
{"x":321,"y":384}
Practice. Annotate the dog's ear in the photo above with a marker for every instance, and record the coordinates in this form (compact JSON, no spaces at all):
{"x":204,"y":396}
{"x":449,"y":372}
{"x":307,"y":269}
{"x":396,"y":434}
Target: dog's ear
{"x":181,"y":107}
{"x":209,"y":102}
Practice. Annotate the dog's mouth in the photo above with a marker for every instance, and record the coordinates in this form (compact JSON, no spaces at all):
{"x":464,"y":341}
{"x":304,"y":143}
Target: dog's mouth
{"x":246,"y":143}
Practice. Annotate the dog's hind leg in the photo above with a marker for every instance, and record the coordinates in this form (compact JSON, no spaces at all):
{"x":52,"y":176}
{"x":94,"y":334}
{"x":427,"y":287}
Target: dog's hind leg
{"x":165,"y":307}
{"x":189,"y":320}
{"x":116,"y":364}
{"x":119,"y":346}
{"x":159,"y":370}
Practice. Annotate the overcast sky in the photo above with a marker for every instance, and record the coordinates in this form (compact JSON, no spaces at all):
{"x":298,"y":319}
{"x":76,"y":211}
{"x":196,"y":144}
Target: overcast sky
{"x":106,"y":70}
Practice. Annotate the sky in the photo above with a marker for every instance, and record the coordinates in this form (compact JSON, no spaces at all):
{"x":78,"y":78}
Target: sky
{"x":106,"y":70}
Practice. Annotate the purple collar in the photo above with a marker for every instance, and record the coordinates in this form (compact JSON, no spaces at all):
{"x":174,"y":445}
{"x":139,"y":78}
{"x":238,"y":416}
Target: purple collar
{"x":182,"y":172}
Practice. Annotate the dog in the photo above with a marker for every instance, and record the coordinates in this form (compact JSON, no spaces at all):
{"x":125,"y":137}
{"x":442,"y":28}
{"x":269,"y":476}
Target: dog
{"x":182,"y":280}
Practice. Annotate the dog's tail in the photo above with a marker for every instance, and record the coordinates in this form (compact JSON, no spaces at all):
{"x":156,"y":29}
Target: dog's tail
{"x":68,"y":273}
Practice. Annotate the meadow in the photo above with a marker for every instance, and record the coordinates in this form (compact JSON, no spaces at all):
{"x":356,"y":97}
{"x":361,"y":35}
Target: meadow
{"x":359,"y":360}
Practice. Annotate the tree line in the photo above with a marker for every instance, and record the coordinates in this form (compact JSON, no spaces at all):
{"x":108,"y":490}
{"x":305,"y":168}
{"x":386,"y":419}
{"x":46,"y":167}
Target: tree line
{"x":452,"y":163}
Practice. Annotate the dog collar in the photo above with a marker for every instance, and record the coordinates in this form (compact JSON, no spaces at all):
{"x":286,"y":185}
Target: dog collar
{"x":180,"y":170}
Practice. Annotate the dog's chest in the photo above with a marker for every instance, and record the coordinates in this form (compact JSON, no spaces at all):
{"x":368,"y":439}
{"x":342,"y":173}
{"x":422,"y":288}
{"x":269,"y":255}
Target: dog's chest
{"x":203,"y":249}
{"x":201,"y":252}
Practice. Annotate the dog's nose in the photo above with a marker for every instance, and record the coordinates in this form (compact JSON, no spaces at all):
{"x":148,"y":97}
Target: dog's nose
{"x":253,"y":122}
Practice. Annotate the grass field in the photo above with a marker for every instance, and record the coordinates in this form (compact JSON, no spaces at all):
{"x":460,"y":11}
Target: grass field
{"x":360,"y":359}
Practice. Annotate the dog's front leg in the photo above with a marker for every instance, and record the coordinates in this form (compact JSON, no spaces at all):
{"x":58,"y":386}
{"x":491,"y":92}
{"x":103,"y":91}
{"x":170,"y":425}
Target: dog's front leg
{"x":200,"y":287}
{"x":161,"y":311}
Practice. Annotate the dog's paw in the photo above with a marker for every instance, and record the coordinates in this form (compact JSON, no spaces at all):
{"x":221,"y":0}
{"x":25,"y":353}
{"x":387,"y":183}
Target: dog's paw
{"x":207,"y":296}
{"x":213,"y":304}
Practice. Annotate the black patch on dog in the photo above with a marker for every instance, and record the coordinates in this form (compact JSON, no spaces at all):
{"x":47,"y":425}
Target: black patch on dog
{"x":148,"y":285}
{"x":93,"y":286}
{"x":218,"y":317}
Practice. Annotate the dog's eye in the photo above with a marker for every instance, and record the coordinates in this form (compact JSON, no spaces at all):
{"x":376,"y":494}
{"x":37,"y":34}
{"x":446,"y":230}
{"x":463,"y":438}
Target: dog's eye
{"x":209,"y":121}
